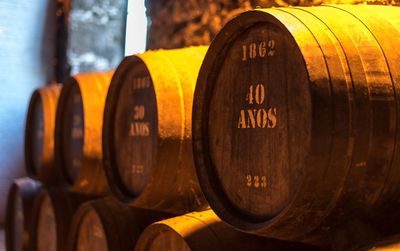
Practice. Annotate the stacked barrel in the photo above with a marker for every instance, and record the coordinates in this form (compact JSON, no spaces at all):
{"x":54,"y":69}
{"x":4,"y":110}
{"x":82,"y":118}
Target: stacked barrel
{"x":287,"y":127}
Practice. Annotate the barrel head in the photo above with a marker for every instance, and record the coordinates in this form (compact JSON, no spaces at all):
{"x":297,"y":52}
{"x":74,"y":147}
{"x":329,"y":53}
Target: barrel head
{"x":164,"y":238}
{"x":91,"y":235}
{"x":46,"y":228}
{"x":34,"y":135}
{"x":15,"y":221}
{"x":131,"y":130}
{"x":72,"y":132}
{"x":256,"y":115}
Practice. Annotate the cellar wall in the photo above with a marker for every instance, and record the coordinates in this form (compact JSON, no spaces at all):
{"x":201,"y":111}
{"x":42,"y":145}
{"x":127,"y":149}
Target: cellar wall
{"x":27,"y":33}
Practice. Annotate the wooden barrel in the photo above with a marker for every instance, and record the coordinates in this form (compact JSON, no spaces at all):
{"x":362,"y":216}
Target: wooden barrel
{"x":147,"y":130}
{"x":79,"y":123}
{"x":295,"y":119}
{"x":108,"y":224}
{"x":18,"y":213}
{"x":39,"y":134}
{"x":201,"y":231}
{"x":51,"y":218}
{"x":389,"y":244}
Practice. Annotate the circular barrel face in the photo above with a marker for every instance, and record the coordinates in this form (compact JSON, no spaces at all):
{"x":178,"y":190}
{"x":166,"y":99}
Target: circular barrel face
{"x":18,"y":222}
{"x":73,"y":132}
{"x":37,"y":134}
{"x":46,"y":228}
{"x":91,"y":234}
{"x":258,"y":120}
{"x":168,"y":240}
{"x":135,"y":129}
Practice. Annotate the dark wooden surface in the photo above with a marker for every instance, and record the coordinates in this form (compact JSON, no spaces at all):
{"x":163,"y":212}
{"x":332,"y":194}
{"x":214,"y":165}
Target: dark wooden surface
{"x":18,"y":221}
{"x":52,"y":215}
{"x":2,"y":243}
{"x":39,"y":135}
{"x":136,"y":140}
{"x":72,"y":133}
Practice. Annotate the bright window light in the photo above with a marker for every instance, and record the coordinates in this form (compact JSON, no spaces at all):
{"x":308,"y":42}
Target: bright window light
{"x":136,"y":27}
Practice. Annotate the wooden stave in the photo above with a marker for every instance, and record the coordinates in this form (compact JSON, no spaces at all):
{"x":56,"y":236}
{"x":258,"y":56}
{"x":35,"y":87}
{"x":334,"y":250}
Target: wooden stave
{"x":93,"y":89}
{"x":174,"y":136}
{"x":27,"y":189}
{"x":220,"y":208}
{"x":387,"y":200}
{"x":341,"y":88}
{"x":385,"y":79}
{"x":48,"y":97}
{"x":64,"y":204}
{"x":121,"y":223}
{"x":198,"y":231}
{"x":355,"y":206}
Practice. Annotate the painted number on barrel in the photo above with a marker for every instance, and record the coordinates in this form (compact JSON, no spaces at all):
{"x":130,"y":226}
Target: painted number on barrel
{"x":77,"y":131}
{"x":138,"y":112}
{"x":256,"y":181}
{"x":138,"y":127}
{"x":137,"y":169}
{"x":141,"y":83}
{"x":257,"y":117}
{"x":258,"y":50}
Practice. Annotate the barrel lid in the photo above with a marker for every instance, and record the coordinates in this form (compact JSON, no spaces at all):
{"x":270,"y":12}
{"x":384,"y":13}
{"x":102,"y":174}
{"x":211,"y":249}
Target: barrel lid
{"x":91,"y":235}
{"x":19,"y":205}
{"x":46,"y":226}
{"x":130,"y":129}
{"x":70,"y":130}
{"x":34,"y":134}
{"x":15,"y":220}
{"x":252,"y":117}
{"x":161,"y":237}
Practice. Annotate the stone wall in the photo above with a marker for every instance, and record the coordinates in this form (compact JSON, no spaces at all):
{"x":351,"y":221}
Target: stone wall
{"x":96,"y":35}
{"x":177,"y":24}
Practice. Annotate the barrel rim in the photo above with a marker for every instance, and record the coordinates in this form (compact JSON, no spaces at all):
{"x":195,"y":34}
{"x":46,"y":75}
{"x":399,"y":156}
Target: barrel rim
{"x":205,"y":170}
{"x":116,"y":184}
{"x":59,"y":126}
{"x":30,"y":168}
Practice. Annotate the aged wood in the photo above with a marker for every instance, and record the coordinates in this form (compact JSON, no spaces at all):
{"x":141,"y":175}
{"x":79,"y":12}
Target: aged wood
{"x":295,"y":111}
{"x":107,"y":224}
{"x":18,"y":213}
{"x":51,"y":218}
{"x":200,"y":231}
{"x":147,"y":131}
{"x":39,"y":135}
{"x":381,"y":22}
{"x":78,"y":138}
{"x":389,"y":244}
